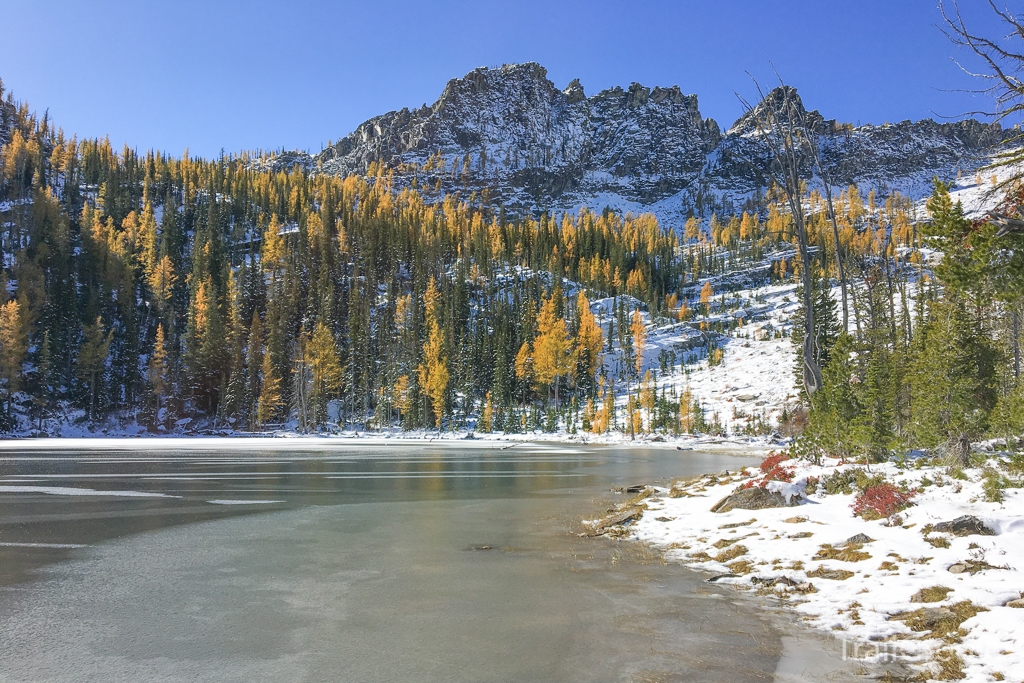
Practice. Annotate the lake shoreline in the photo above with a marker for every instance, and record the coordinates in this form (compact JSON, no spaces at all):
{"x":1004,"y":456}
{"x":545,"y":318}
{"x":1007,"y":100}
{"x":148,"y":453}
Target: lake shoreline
{"x":489,"y":527}
{"x":748,"y":446}
{"x":768,"y":554}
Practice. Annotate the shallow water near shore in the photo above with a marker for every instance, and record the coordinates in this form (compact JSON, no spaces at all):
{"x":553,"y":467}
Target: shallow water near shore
{"x":411,"y":563}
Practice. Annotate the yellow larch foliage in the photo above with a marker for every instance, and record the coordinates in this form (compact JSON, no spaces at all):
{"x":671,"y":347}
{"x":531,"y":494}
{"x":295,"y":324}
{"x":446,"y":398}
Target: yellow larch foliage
{"x":432,"y":302}
{"x":524,"y":362}
{"x":162,"y":280}
{"x":272,"y":248}
{"x":17,"y":157}
{"x":149,"y":239}
{"x":692,"y":229}
{"x":748,"y":226}
{"x":589,"y":338}
{"x":401,"y":393}
{"x":158,"y":365}
{"x":487,"y":415}
{"x":686,"y":411}
{"x":639,"y":332}
{"x":633,"y":416}
{"x":706,"y":292}
{"x":683,"y":312}
{"x":648,"y":395}
{"x":315,"y":228}
{"x":201,"y":305}
{"x":588,"y":415}
{"x":324,"y":362}
{"x":433,"y":370}
{"x":403,"y":313}
{"x":13,"y":346}
{"x":715,"y":228}
{"x":551,"y":357}
{"x":270,"y":393}
{"x":636,"y":283}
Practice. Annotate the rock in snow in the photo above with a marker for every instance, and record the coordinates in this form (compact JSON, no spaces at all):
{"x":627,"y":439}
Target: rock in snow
{"x":753,"y":499}
{"x":967,"y":525}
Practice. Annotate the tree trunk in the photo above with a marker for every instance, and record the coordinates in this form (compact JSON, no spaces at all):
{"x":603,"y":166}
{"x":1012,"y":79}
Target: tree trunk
{"x":961,"y":447}
{"x":839,"y":250}
{"x":889,"y":289}
{"x":811,"y":370}
{"x":1016,"y":344}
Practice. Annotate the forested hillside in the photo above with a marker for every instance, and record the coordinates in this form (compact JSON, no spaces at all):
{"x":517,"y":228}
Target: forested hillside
{"x":151,"y":289}
{"x":157,"y":293}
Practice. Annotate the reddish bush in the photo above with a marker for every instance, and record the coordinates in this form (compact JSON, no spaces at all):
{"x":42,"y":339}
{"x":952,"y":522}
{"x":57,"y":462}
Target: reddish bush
{"x":773,"y":471}
{"x":772,"y":461}
{"x":881,"y":500}
{"x":779,"y":473}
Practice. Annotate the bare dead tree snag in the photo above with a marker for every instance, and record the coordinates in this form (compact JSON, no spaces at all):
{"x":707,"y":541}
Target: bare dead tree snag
{"x":1004,"y":78}
{"x":780,"y":121}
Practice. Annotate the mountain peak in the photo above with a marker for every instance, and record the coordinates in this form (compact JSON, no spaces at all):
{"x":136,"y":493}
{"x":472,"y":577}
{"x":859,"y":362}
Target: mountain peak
{"x":782,"y":104}
{"x":484,"y":78}
{"x":574,"y":92}
{"x":508,"y":134}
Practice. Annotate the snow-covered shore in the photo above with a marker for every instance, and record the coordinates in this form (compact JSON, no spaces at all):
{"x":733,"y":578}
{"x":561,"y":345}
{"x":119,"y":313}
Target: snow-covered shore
{"x":284,"y":441}
{"x":891,"y":588}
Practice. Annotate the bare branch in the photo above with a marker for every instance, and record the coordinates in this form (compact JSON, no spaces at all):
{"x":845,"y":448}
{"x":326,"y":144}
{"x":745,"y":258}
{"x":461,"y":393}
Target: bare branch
{"x":1006,"y":224}
{"x":1003,"y":63}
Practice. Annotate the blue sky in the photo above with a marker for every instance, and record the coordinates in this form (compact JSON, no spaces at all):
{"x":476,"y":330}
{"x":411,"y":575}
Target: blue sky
{"x":213,"y":75}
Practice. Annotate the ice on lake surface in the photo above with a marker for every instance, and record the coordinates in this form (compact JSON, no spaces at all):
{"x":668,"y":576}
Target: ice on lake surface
{"x":365,"y":564}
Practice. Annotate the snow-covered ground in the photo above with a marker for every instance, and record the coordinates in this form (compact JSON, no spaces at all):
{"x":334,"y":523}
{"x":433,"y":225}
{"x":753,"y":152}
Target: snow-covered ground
{"x":978,"y":193}
{"x":755,"y":377}
{"x":866,"y":595}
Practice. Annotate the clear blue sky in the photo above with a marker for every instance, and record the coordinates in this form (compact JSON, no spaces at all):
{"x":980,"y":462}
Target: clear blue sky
{"x":212,"y":75}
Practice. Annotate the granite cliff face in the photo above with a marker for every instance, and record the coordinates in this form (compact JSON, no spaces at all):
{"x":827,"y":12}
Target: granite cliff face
{"x":511,"y":137}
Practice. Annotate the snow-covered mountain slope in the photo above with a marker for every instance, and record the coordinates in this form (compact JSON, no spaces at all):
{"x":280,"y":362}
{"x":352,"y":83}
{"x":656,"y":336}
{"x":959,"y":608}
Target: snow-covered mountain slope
{"x":512,"y":137}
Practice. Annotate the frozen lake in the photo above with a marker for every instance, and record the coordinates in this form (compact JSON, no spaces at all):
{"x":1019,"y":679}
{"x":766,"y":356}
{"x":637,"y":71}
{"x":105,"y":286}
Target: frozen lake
{"x":360,"y":563}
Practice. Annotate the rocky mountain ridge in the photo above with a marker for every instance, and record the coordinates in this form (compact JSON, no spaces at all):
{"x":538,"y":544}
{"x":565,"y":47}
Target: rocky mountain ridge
{"x":507,"y":136}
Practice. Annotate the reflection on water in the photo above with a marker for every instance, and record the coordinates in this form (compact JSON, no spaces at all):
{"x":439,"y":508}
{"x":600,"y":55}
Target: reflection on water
{"x":381,"y":564}
{"x":190,"y":486}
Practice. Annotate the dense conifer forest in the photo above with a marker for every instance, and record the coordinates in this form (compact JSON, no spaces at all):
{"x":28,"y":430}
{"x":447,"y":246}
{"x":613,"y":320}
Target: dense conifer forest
{"x":186,"y":293}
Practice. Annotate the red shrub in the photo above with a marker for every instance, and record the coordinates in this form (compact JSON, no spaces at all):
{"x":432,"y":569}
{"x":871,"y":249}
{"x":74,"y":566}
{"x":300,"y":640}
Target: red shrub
{"x":882,"y":500}
{"x":772,"y":461}
{"x":773,"y":471}
{"x":779,"y":473}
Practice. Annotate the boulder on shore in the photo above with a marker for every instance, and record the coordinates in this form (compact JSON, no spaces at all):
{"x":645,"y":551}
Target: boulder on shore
{"x":621,"y":518}
{"x":968,"y":525}
{"x":753,"y":499}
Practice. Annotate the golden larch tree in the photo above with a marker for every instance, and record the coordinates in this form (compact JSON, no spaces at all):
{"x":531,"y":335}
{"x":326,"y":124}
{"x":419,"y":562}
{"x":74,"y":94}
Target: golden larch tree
{"x":13,"y":346}
{"x":589,"y":337}
{"x":92,"y":358}
{"x":401,"y":394}
{"x":639,"y":332}
{"x":325,"y":369}
{"x":272,"y":247}
{"x":552,"y":358}
{"x":161,"y":282}
{"x":487,"y":415}
{"x":270,"y":392}
{"x":158,"y":369}
{"x":706,"y":292}
{"x":433,"y":370}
